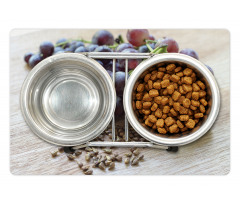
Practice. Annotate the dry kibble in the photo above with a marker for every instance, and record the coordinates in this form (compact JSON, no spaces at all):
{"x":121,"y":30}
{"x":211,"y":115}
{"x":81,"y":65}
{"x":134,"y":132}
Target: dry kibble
{"x":146,"y":105}
{"x":150,"y":84}
{"x":165,"y":83}
{"x":201,"y":85}
{"x":166,"y":76}
{"x":147,"y":77}
{"x":196,"y":88}
{"x":183,"y":110}
{"x":184,"y":117}
{"x":198,"y":115}
{"x":189,"y":95}
{"x":166,"y":109}
{"x":195,"y":96}
{"x":193,"y":107}
{"x":162,"y":130}
{"x":176,"y":95}
{"x":164,"y":101}
{"x":139,"y":96}
{"x":147,"y":98}
{"x":204,"y":102}
{"x":173,"y":112}
{"x":186,"y":103}
{"x":173,"y":128}
{"x":153,"y":93}
{"x":202,"y":108}
{"x":174,"y":78}
{"x":160,"y":123}
{"x":158,"y":99}
{"x":158,"y":113}
{"x":187,"y":80}
{"x":170,"y":89}
{"x":139,"y":105}
{"x":160,"y":75}
{"x":180,"y":74}
{"x":153,"y":76}
{"x":164,"y":116}
{"x":202,"y":93}
{"x":154,"y":107}
{"x":169,"y":121}
{"x":170,"y":67}
{"x":176,"y":106}
{"x":140,"y":88}
{"x":187,"y":87}
{"x":146,"y":112}
{"x":179,"y":123}
{"x":152,"y":118}
{"x":187,"y":72}
{"x":178,"y":69}
{"x":181,"y":90}
{"x":195,"y":103}
{"x":190,"y":124}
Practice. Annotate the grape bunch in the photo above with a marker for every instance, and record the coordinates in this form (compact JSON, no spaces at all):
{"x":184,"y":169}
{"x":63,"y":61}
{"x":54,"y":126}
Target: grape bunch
{"x":139,"y":41}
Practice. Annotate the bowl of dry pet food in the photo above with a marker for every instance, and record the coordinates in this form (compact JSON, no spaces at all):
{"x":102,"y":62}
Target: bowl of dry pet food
{"x":171,"y":99}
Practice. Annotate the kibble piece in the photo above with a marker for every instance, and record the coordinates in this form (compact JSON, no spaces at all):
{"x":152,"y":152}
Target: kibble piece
{"x":140,"y":88}
{"x":147,"y":105}
{"x":146,"y":112}
{"x":165,"y":83}
{"x":204,"y":102}
{"x":139,"y":96}
{"x":158,"y":113}
{"x":154,"y":72}
{"x":174,"y":78}
{"x":153,"y":93}
{"x":170,"y":101}
{"x":202,"y":108}
{"x":166,"y":109}
{"x":162,"y":69}
{"x":187,"y":72}
{"x":196,"y":120}
{"x":187,"y":88}
{"x":198,"y":115}
{"x":178,"y":69}
{"x":189,"y":95}
{"x":176,"y":95}
{"x":164,"y":101}
{"x":187,"y":80}
{"x":184,"y":129}
{"x":186,"y":103}
{"x":157,"y":85}
{"x":176,"y":106}
{"x":139,"y":104}
{"x":175,"y":85}
{"x":195,"y":103}
{"x":183,"y":110}
{"x":153,"y":77}
{"x":165,"y":92}
{"x":190,"y":112}
{"x":196,"y":88}
{"x":195,"y":96}
{"x":166,"y":76}
{"x":146,"y":97}
{"x":179,"y":123}
{"x":160,"y":75}
{"x":148,"y":123}
{"x":154,"y":126}
{"x":160,"y":123}
{"x":154,"y":107}
{"x":181,"y":90}
{"x":169,"y":121}
{"x":173,"y":112}
{"x":190,"y":124}
{"x":180,"y":100}
{"x":162,"y":130}
{"x":202,"y":93}
{"x":193,"y":107}
{"x":173,"y":128}
{"x":164,"y":116}
{"x":158,"y":99}
{"x":152,"y":118}
{"x":150,"y":84}
{"x":146,"y":87}
{"x":170,"y":89}
{"x":201,"y":85}
{"x":147,"y":77}
{"x":184,"y":117}
{"x":170,"y":67}
{"x":180,"y":74}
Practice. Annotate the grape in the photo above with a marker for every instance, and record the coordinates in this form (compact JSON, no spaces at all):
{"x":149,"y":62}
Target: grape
{"x":119,"y":82}
{"x":81,"y":49}
{"x":123,"y":46}
{"x":46,"y":49}
{"x":34,"y":60}
{"x":117,"y":66}
{"x":57,"y":49}
{"x":132,"y":63}
{"x":60,"y":51}
{"x":151,"y":37}
{"x":144,"y":48}
{"x":100,"y":62}
{"x":75,"y":44}
{"x":27,"y":56}
{"x":69,"y":49}
{"x":63,"y":40}
{"x":189,"y":52}
{"x":137,"y":37}
{"x":92,"y":47}
{"x":210,"y":69}
{"x":110,"y":73}
{"x":103,"y":48}
{"x":103,"y":37}
{"x":119,"y":111}
{"x":171,"y":43}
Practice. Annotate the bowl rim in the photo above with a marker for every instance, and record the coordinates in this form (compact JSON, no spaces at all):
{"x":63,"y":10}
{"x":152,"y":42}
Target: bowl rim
{"x":127,"y":99}
{"x":44,"y":65}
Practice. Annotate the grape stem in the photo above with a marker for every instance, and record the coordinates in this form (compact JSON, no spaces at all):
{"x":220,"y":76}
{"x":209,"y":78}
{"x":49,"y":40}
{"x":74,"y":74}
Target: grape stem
{"x":150,"y":41}
{"x":149,"y":47}
{"x":158,"y":50}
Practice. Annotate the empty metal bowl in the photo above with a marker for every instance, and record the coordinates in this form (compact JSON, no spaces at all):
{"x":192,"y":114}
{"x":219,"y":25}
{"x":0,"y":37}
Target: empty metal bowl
{"x":181,"y":138}
{"x":68,"y":99}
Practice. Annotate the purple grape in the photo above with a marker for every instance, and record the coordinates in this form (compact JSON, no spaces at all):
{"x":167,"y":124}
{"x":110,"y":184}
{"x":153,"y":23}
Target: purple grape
{"x":46,"y":49}
{"x":75,"y":44}
{"x":103,"y":37}
{"x":69,"y":49}
{"x":100,"y":62}
{"x":92,"y":47}
{"x":57,"y":49}
{"x":171,"y":43}
{"x":132,"y":63}
{"x":58,"y":52}
{"x":103,"y":48}
{"x":110,"y":73}
{"x":189,"y":52}
{"x":119,"y":82}
{"x":123,"y":46}
{"x":210,"y":69}
{"x":117,"y":66}
{"x":81,"y":49}
{"x":137,"y":37}
{"x":27,"y":56}
{"x":34,"y":60}
{"x":63,"y":40}
{"x":144,"y":48}
{"x":151,"y":37}
{"x":119,"y":111}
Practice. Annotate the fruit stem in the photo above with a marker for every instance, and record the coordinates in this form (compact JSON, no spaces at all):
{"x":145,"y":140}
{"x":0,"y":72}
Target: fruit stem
{"x":162,"y":49}
{"x":113,"y":46}
{"x":150,"y":41}
{"x":121,"y":39}
{"x":149,"y":47}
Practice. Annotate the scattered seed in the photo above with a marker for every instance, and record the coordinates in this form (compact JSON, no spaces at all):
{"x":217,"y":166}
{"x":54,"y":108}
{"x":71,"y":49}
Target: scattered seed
{"x":119,"y":158}
{"x":61,"y":149}
{"x":77,"y":153}
{"x":109,"y":158}
{"x":88,"y":172}
{"x":95,"y":164}
{"x":54,"y":153}
{"x":95,"y":151}
{"x":127,"y":160}
{"x":87,"y":157}
{"x":85,"y":168}
{"x":133,"y":148}
{"x":68,"y":150}
{"x":115,"y":154}
{"x":141,"y":157}
{"x":111,"y":166}
{"x":108,"y":162}
{"x":71,"y":157}
{"x":129,"y":154}
{"x":80,"y":164}
{"x":101,"y":166}
{"x":136,"y":152}
{"x":88,"y":149}
{"x":134,"y":161}
{"x":108,"y":151}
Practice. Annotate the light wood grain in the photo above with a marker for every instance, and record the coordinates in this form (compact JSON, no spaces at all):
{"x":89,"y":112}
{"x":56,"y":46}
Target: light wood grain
{"x":210,"y":155}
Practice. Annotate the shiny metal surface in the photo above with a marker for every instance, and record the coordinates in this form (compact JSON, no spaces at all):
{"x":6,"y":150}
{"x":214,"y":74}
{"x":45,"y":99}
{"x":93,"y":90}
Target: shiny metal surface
{"x":68,"y":99}
{"x":212,"y":91}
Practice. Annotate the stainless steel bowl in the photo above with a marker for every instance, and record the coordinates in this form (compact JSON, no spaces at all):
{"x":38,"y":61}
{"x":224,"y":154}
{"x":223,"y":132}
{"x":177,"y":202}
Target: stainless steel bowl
{"x":68,"y":99}
{"x":181,"y":138}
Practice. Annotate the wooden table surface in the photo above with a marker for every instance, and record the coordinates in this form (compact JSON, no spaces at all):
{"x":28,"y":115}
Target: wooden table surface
{"x":210,"y":155}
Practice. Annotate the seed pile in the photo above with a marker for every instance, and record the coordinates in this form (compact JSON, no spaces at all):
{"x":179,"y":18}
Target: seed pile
{"x":170,"y":98}
{"x":103,"y":158}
